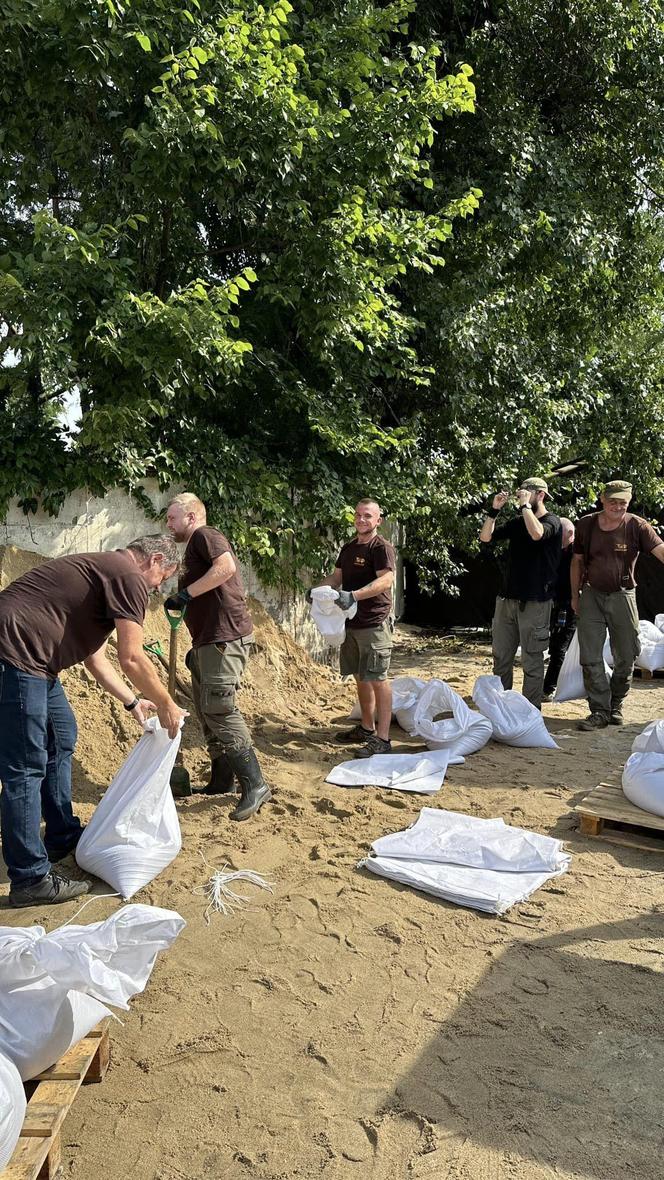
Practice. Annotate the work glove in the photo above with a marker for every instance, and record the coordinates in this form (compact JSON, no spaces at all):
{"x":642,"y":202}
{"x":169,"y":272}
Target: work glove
{"x":178,"y":601}
{"x":345,"y":599}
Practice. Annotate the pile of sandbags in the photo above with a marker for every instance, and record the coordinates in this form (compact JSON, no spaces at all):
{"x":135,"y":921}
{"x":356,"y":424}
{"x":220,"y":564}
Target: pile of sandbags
{"x":482,"y":863}
{"x":651,"y":637}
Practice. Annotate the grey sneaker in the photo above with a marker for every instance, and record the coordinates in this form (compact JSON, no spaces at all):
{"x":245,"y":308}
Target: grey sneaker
{"x":375,"y":745}
{"x":51,"y":890}
{"x":595,"y":721}
{"x":355,"y":736}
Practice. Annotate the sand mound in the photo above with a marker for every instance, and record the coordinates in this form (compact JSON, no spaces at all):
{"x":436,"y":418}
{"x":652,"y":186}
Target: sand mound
{"x":282,"y":682}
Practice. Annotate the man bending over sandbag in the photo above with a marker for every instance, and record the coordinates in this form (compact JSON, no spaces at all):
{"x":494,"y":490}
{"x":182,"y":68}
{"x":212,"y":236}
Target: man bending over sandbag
{"x":222,"y":634}
{"x":59,"y":614}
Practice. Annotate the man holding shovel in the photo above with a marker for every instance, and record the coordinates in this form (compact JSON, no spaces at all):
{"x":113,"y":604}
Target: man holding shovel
{"x":57,"y":615}
{"x":213,"y":599}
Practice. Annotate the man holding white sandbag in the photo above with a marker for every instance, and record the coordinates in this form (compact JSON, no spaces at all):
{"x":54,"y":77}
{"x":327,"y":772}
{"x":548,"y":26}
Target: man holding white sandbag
{"x":59,"y":614}
{"x":606,"y":547}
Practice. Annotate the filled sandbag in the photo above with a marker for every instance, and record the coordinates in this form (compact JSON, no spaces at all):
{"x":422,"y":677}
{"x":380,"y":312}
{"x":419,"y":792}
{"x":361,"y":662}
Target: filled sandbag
{"x":514,"y":720}
{"x":135,"y":832}
{"x":643,"y":780}
{"x":650,"y":740}
{"x":54,"y":987}
{"x":12,"y":1108}
{"x":328,"y":617}
{"x":651,"y":655}
{"x":463,"y":733}
{"x":406,"y":691}
{"x":570,"y":686}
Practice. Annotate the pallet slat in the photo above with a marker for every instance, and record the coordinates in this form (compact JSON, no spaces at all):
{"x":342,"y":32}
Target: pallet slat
{"x":37,"y":1153}
{"x":607,"y":804}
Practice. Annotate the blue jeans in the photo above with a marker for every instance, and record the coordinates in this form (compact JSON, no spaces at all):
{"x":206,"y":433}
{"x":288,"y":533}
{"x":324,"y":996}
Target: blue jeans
{"x":37,"y":738}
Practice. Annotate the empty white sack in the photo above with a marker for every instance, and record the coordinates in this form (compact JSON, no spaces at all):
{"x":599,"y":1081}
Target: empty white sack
{"x":482,"y":863}
{"x":12,"y":1108}
{"x":135,"y":832}
{"x":328,"y":617}
{"x":419,"y":773}
{"x":463,"y":733}
{"x":54,"y":987}
{"x":515,"y":721}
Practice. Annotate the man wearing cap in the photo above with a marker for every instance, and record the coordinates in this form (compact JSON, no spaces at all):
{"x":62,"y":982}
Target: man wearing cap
{"x":522,"y":614}
{"x":606,"y":547}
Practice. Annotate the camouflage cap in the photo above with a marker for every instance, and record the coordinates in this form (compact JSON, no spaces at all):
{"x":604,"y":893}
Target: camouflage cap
{"x":535,"y":484}
{"x":618,"y":489}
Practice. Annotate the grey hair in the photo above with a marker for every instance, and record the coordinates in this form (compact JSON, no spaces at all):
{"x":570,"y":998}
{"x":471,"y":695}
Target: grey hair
{"x":156,"y":543}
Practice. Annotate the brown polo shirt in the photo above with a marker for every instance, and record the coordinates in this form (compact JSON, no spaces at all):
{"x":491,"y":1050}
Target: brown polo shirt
{"x":62,"y":611}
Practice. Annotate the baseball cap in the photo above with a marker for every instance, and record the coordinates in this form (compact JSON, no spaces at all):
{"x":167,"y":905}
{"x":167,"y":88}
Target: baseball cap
{"x":535,"y":484}
{"x":618,"y":489}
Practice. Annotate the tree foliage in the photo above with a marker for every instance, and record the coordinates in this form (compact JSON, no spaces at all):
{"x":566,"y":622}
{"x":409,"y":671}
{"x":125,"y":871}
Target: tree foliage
{"x":224,"y":225}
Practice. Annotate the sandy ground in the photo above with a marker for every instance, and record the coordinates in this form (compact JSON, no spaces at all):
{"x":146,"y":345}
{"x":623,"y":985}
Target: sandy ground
{"x":345,"y":1026}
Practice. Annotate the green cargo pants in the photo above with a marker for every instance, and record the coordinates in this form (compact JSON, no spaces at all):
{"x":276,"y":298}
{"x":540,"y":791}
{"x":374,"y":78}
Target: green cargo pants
{"x":216,"y":674}
{"x":527,"y":624}
{"x":616,"y":613}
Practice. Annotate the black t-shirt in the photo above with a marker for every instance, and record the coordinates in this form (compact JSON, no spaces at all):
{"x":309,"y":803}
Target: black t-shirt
{"x":532,"y":566}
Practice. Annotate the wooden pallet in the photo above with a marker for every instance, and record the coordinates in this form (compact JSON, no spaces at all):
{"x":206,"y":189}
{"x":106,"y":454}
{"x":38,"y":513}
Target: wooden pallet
{"x":607,"y":814}
{"x":50,"y":1096}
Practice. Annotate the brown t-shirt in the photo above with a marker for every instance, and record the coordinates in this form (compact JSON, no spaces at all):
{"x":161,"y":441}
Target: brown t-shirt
{"x":221,"y":614}
{"x":62,"y":611}
{"x":610,"y":556}
{"x":359,"y":565}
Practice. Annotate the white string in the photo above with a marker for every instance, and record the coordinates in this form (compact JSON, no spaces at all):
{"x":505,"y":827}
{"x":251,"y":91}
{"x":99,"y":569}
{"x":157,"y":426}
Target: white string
{"x":95,"y":897}
{"x":221,"y":898}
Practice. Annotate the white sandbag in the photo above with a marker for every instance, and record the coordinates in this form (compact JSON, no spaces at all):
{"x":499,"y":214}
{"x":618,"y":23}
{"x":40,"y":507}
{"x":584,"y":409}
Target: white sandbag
{"x":515,"y":721}
{"x":449,"y":837}
{"x":651,"y":655}
{"x":643,"y":780}
{"x":54,"y":987}
{"x":135,"y":832}
{"x":659,"y":622}
{"x":406,"y":691}
{"x":12,"y":1108}
{"x":463,"y":733}
{"x":420,"y":773}
{"x":650,"y":740}
{"x":570,"y":686}
{"x":482,"y":863}
{"x":328,"y":617}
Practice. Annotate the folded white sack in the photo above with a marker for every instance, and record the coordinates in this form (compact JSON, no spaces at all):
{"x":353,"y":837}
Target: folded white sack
{"x":135,"y":832}
{"x":483,"y":863}
{"x":463,"y":733}
{"x":421,"y":773}
{"x":515,"y":721}
{"x":12,"y":1108}
{"x":54,"y":987}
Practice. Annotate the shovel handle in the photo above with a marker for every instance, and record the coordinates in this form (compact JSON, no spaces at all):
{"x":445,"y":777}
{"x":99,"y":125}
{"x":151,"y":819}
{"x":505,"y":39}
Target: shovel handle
{"x":172,"y":661}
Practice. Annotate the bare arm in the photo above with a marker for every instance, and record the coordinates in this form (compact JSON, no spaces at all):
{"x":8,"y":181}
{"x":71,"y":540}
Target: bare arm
{"x":141,"y":671}
{"x":99,"y":666}
{"x":334,"y":579}
{"x":658,"y":552}
{"x":533,"y":525}
{"x":384,"y":581}
{"x":222,"y":568}
{"x":577,"y":576}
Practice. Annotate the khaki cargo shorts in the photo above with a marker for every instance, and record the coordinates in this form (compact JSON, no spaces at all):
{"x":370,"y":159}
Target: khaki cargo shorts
{"x":365,"y":652}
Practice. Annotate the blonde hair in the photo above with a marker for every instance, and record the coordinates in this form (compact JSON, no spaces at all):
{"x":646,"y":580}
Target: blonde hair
{"x":188,"y":502}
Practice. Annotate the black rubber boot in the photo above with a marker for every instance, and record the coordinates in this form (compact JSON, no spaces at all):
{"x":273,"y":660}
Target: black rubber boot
{"x":222,"y":778}
{"x":253,"y":788}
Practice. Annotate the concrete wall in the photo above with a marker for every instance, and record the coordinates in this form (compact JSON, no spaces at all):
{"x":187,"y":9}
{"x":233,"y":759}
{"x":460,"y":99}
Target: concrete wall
{"x":87,"y":524}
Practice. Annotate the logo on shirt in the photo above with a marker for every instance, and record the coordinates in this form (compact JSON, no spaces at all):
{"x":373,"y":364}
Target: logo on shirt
{"x":359,"y":560}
